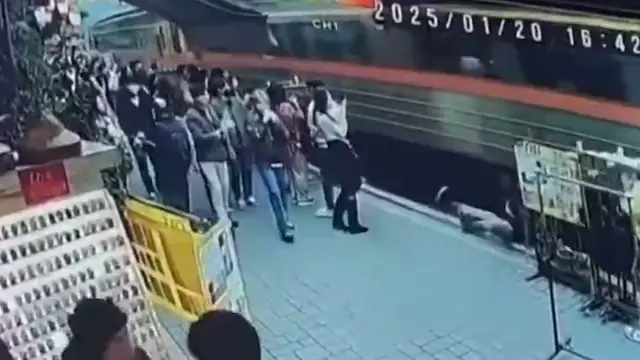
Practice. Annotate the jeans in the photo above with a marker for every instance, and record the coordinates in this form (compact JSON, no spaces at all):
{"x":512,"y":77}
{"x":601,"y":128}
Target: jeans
{"x":217,"y":175}
{"x":241,"y":177}
{"x":274,"y":180}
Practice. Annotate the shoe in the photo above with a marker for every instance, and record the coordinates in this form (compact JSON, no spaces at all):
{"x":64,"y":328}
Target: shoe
{"x":340,"y":227}
{"x":305,"y":202}
{"x":358,"y":229}
{"x":288,"y":236}
{"x":241,"y":204}
{"x":251,"y":201}
{"x":234,"y":224}
{"x":153,"y":196}
{"x":290,"y":225}
{"x":324,"y":213}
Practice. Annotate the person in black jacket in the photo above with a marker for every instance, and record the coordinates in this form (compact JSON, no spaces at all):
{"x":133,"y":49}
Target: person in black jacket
{"x":173,"y":146}
{"x":134,"y":107}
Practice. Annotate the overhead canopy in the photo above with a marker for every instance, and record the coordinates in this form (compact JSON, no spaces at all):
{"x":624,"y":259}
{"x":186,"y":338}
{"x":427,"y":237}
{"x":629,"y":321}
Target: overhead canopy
{"x":187,"y":13}
{"x":214,"y":24}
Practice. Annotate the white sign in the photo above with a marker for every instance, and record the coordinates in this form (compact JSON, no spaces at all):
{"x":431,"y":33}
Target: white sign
{"x":222,"y":269}
{"x":561,"y":199}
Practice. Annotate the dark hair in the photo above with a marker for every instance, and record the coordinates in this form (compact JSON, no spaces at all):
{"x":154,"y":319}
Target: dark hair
{"x":314,"y":84}
{"x":216,"y":73}
{"x":165,"y":89}
{"x":126,"y":75}
{"x":180,"y":106}
{"x":193,"y":72}
{"x":93,"y":324}
{"x":277,"y":95}
{"x":214,"y":86}
{"x":197,"y":89}
{"x":321,"y":101}
{"x":223,"y":334}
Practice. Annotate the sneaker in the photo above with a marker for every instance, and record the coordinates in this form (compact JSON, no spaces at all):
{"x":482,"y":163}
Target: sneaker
{"x":324,"y":213}
{"x":241,"y":204}
{"x":305,"y":202}
{"x":290,"y":225}
{"x":153,"y":196}
{"x":251,"y":201}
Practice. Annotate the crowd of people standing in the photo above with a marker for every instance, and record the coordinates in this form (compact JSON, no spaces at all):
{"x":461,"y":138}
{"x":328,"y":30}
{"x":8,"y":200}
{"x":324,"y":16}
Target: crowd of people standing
{"x":199,"y":123}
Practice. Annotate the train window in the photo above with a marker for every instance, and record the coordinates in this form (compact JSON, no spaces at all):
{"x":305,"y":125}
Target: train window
{"x":299,"y":42}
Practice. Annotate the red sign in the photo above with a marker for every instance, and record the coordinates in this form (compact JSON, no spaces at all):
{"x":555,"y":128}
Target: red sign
{"x":43,"y":183}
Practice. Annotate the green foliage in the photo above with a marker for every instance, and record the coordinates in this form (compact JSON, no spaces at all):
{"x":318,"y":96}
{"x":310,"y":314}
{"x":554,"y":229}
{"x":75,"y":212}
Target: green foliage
{"x":48,"y":78}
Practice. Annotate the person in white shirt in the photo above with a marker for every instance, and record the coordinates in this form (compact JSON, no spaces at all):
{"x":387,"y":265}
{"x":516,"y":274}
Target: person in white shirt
{"x":342,"y":161}
{"x":321,"y":148}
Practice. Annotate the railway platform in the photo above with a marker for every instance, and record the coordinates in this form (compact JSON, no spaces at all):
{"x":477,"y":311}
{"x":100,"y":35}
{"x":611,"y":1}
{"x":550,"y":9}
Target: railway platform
{"x":414,"y":287}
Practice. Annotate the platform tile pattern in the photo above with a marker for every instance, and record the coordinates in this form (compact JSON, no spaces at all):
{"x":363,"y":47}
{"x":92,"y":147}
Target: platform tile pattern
{"x":413,"y":288}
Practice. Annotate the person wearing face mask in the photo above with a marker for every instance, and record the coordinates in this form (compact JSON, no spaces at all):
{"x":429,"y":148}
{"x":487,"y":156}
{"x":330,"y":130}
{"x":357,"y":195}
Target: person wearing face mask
{"x":269,"y":137}
{"x":321,"y":148}
{"x":134,"y":107}
{"x":342,"y":161}
{"x":211,"y":148}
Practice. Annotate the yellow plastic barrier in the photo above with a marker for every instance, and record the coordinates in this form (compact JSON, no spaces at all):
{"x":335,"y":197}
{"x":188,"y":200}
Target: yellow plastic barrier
{"x":169,"y":253}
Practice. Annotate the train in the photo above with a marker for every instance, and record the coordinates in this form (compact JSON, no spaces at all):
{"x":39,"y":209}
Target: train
{"x":480,"y":127}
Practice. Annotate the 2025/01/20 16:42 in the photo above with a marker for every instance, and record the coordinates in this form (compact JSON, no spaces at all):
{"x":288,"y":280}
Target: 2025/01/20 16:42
{"x":505,"y":24}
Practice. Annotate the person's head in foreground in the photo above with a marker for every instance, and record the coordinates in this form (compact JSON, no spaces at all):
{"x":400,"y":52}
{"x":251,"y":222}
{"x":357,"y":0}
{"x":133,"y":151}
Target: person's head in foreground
{"x":99,"y":331}
{"x":222,"y":334}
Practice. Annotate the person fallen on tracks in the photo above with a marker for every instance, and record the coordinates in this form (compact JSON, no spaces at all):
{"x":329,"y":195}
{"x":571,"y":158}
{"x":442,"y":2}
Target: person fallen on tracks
{"x":343,"y":165}
{"x":269,"y":139}
{"x":174,"y":146}
{"x":477,"y":221}
{"x":321,"y":148}
{"x":292,"y":117}
{"x":211,"y":146}
{"x":222,"y":334}
{"x":99,"y":331}
{"x":134,"y":107}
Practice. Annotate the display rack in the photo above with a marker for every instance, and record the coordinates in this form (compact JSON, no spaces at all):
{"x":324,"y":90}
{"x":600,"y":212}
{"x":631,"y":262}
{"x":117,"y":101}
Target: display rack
{"x":54,"y":254}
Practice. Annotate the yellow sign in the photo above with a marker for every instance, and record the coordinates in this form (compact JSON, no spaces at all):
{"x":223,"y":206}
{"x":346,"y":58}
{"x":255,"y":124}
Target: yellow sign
{"x":168,"y":251}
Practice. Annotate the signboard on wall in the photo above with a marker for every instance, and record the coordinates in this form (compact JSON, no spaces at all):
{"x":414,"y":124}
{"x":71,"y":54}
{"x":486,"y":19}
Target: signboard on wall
{"x":545,"y":175}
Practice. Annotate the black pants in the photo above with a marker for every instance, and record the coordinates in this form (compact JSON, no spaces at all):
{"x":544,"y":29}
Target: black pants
{"x":327,"y":183}
{"x":174,"y":192}
{"x":344,"y":168}
{"x":241,"y":175}
{"x":143,"y":166}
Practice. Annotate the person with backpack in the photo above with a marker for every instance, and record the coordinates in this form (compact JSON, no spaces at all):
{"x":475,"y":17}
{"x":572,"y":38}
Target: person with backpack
{"x":269,"y":138}
{"x":342,"y":163}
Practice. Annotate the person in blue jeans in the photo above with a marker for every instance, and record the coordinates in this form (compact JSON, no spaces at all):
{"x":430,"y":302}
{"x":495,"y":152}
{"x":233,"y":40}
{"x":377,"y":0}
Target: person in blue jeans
{"x":269,"y":142}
